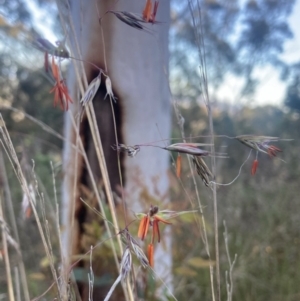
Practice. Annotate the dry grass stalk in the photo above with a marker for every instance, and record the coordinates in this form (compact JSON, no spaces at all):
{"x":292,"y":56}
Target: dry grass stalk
{"x":202,"y":227}
{"x":91,"y":276}
{"x":229,"y":275}
{"x":47,"y":232}
{"x":39,"y":123}
{"x":4,"y":231}
{"x":17,"y":284}
{"x":199,"y":35}
{"x":13,"y":223}
{"x":12,"y":156}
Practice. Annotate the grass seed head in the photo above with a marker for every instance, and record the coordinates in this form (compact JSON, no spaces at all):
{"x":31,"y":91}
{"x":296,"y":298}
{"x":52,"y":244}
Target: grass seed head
{"x":202,"y":170}
{"x":126,"y":263}
{"x":260,"y":143}
{"x":109,"y":91}
{"x":128,"y":19}
{"x":61,"y":95}
{"x":188,"y":148}
{"x":91,"y":90}
{"x":130,"y":150}
{"x":139,"y":252}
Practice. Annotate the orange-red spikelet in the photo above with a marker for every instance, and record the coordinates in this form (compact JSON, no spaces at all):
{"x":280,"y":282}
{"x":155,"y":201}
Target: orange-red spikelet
{"x":156,"y":227}
{"x":61,"y":95}
{"x":147,"y":10}
{"x":254,"y":167}
{"x":153,"y":219}
{"x":153,"y":15}
{"x":178,"y":166}
{"x":150,"y":255}
{"x":143,"y":227}
{"x":155,"y":231}
{"x":60,"y":90}
{"x":28,"y":212}
{"x":273,"y":150}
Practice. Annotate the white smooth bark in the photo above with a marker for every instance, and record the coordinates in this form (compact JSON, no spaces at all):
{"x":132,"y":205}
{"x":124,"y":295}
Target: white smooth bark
{"x":137,"y":63}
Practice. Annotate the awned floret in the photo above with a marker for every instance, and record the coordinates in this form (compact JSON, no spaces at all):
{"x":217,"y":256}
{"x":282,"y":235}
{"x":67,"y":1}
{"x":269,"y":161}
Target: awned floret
{"x":260,"y":144}
{"x":60,"y":89}
{"x":61,"y":95}
{"x":152,"y":219}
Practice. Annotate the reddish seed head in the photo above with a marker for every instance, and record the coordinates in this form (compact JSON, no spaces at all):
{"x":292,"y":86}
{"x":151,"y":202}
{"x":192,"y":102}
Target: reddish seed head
{"x":162,"y":220}
{"x":151,"y":255}
{"x":61,"y":95}
{"x":155,"y":231}
{"x":254,"y":167}
{"x":143,"y":227}
{"x":273,"y":150}
{"x":154,"y":220}
{"x":60,"y":90}
{"x":155,"y":226}
{"x":28,"y":212}
{"x":178,"y":166}
{"x":147,"y":10}
{"x":153,"y":15}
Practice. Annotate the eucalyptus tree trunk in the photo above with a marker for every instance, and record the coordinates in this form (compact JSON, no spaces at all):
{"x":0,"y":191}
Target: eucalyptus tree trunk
{"x":137,"y":63}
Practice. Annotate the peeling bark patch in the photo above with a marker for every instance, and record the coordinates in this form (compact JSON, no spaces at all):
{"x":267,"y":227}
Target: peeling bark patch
{"x":90,"y":231}
{"x":104,"y":116}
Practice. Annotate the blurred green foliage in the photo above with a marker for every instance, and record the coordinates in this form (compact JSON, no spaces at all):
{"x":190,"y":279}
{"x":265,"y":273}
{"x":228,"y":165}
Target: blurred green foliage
{"x":261,"y":211}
